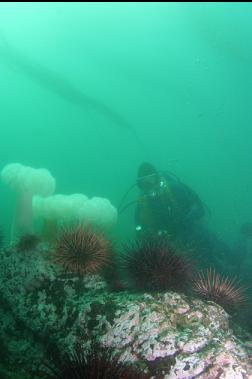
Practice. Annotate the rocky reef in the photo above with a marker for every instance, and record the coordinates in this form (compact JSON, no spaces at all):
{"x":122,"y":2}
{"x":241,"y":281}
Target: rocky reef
{"x":166,"y":335}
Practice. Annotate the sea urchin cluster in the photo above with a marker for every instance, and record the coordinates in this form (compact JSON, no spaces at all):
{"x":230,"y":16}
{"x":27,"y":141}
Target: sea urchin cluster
{"x":81,"y":250}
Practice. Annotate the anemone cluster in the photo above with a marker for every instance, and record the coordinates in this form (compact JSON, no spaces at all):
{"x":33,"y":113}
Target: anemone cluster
{"x":36,"y":201}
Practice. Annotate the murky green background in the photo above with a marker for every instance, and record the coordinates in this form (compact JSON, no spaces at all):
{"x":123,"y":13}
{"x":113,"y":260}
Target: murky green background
{"x":179,"y":74}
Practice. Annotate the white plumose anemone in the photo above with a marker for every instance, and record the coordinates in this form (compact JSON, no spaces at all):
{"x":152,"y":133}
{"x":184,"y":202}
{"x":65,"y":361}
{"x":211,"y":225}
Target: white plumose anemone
{"x":76,"y":208}
{"x":26,"y":182}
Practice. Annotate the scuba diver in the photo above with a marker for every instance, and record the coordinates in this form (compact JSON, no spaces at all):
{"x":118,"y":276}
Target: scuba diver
{"x":166,"y":206}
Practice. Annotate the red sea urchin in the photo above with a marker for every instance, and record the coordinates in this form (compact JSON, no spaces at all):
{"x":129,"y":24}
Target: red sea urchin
{"x":220,"y":289}
{"x":155,"y":265}
{"x":81,"y":250}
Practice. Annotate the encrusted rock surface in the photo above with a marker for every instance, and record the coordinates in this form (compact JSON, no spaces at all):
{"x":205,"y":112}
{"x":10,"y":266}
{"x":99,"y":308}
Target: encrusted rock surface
{"x":168,"y":335}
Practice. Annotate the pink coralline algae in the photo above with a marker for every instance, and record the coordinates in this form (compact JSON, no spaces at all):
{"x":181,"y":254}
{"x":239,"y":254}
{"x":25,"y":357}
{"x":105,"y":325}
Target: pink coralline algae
{"x":166,"y":335}
{"x":193,"y":338}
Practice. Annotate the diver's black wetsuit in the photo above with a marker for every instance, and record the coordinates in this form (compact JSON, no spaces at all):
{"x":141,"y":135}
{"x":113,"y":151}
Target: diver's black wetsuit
{"x":171,"y":208}
{"x":174,"y":210}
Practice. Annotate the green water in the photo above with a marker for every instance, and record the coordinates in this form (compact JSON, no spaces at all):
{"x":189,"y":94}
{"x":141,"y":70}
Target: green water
{"x":179,"y":74}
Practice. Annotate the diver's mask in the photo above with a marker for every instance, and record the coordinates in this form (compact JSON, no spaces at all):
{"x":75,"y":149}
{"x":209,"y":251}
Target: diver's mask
{"x":155,"y":188}
{"x":149,"y":184}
